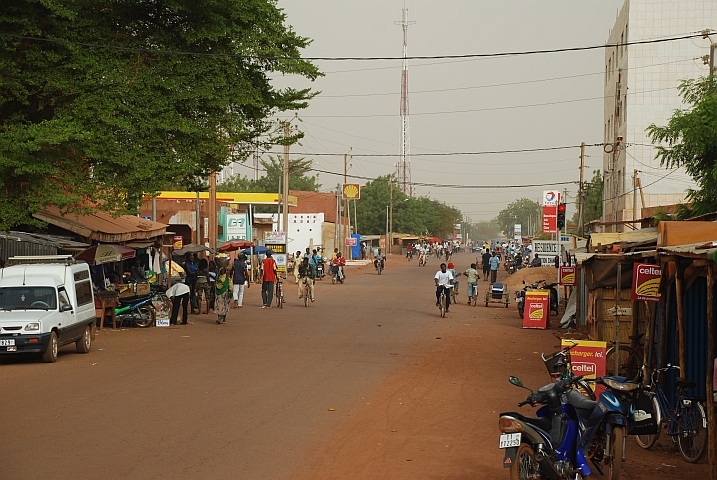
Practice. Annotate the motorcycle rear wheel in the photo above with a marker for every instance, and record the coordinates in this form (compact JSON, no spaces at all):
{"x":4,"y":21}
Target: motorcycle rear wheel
{"x":525,"y":466}
{"x":144,"y":317}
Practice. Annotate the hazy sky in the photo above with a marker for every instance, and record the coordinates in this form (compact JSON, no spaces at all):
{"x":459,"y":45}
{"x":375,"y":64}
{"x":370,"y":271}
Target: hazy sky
{"x":518,"y":102}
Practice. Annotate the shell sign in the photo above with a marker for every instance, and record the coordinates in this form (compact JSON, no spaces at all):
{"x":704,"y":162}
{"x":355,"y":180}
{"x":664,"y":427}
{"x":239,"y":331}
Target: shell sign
{"x":646,"y":282}
{"x":351,"y":191}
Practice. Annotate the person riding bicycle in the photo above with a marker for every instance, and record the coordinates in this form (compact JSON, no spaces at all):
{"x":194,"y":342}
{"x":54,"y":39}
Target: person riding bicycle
{"x":307,"y":276}
{"x":380,"y":257}
{"x":473,"y":277}
{"x":452,"y":269}
{"x":421,"y":255}
{"x":443,"y":278}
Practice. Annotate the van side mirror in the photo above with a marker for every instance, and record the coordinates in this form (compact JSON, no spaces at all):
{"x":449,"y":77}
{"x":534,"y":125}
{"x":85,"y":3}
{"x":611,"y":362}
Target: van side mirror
{"x":66,"y":308}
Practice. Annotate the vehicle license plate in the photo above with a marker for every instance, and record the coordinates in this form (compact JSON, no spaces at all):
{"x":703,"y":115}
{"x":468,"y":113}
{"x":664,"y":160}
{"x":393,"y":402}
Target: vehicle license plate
{"x":12,"y":349}
{"x":7,"y":343}
{"x":508,"y":440}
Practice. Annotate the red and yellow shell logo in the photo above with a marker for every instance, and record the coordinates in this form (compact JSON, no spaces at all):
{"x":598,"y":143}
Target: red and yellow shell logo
{"x":351,"y":191}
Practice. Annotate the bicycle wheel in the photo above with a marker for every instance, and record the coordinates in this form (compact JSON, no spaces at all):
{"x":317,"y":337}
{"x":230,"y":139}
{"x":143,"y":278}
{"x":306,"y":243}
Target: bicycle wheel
{"x":692,"y":428}
{"x":442,"y":305}
{"x":648,"y":441}
{"x":629,"y":363}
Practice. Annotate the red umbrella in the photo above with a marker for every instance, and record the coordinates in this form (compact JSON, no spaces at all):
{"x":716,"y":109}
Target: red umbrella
{"x":234,"y":245}
{"x":105,"y":253}
{"x":434,"y":240}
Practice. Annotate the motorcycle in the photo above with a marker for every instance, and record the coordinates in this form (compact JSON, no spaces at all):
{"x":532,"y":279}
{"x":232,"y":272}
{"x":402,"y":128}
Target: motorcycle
{"x":320,"y":270}
{"x":545,"y":446}
{"x":378,"y":265}
{"x":520,"y":296}
{"x":337,"y":274}
{"x":606,"y":422}
{"x":136,"y":310}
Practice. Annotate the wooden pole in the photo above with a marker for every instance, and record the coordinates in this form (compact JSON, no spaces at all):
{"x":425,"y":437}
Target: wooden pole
{"x":711,"y":421}
{"x":680,"y":315}
{"x":213,"y":211}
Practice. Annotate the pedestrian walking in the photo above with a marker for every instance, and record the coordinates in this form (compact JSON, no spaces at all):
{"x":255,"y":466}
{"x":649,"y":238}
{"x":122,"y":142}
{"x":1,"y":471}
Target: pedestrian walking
{"x":268,"y":280}
{"x":179,"y":294}
{"x":190,"y":270}
{"x":222,"y":300}
{"x":494,"y":264}
{"x":486,"y":264}
{"x":239,"y":280}
{"x":203,"y":285}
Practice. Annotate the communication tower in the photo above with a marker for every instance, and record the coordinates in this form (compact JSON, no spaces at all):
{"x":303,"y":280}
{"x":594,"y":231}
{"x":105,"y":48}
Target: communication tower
{"x":403,"y":167}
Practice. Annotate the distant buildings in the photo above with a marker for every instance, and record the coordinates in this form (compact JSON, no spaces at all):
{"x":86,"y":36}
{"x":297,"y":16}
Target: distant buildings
{"x":640,"y":89}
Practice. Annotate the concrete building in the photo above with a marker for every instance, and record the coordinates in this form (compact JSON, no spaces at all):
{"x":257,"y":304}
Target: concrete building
{"x":640,"y":89}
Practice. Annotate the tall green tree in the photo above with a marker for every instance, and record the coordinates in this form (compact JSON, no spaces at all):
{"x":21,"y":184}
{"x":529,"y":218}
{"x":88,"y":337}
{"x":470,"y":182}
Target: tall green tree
{"x":519,"y":211}
{"x":412,"y":215}
{"x":103,"y":100}
{"x":691,"y":138}
{"x":593,"y":200}
{"x":299,"y":178}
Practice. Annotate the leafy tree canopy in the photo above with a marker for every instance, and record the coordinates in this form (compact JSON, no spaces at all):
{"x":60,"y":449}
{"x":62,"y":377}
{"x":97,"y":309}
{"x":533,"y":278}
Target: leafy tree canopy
{"x":691,"y":138}
{"x":98,"y":105}
{"x":274,"y":170}
{"x":516,"y":212}
{"x":413,"y":215}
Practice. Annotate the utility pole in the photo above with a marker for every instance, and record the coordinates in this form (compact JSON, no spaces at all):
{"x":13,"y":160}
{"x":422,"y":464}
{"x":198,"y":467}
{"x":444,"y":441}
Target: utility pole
{"x":390,"y":215}
{"x":634,"y":199}
{"x":213,"y":210}
{"x":581,"y":193}
{"x":616,"y":150}
{"x":285,"y":193}
{"x":710,"y":60}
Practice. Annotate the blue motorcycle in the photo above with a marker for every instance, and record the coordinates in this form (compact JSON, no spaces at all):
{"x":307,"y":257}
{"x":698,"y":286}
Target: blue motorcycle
{"x":607,"y":421}
{"x":545,"y":446}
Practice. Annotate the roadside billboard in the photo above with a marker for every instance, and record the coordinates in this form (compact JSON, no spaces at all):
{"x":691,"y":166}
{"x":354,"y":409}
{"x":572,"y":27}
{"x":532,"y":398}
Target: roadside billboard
{"x":551,"y":199}
{"x":567,"y":276}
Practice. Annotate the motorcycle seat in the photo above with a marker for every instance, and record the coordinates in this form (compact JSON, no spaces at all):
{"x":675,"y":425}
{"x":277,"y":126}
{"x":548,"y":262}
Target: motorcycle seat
{"x":681,"y":382}
{"x":540,"y":422}
{"x":582,"y":404}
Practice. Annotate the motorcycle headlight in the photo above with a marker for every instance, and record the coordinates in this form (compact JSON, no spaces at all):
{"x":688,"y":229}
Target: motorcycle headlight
{"x":623,"y":387}
{"x":32,"y":327}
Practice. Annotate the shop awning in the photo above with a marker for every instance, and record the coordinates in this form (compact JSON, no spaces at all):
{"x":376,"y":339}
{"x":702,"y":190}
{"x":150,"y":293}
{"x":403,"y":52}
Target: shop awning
{"x":102,"y":226}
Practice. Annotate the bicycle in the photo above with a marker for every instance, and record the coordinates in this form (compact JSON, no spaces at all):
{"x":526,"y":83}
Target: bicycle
{"x":279,"y":293}
{"x":630,"y":359}
{"x":454,"y":296}
{"x":473,"y":294}
{"x":306,"y":292}
{"x":442,"y":301}
{"x":686,"y":421}
{"x":560,"y":367}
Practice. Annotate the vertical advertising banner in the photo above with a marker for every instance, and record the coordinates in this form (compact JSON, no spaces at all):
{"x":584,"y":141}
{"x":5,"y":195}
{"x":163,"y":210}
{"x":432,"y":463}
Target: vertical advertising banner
{"x":646,"y":282}
{"x":536,"y":309}
{"x":237,"y":226}
{"x":551,"y":199}
{"x":517,"y":229}
{"x":588,"y":359}
{"x":567,"y":276}
{"x":177,"y":242}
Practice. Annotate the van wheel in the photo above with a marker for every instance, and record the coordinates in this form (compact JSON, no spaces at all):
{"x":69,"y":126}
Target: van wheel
{"x":50,"y":355}
{"x":85,"y":343}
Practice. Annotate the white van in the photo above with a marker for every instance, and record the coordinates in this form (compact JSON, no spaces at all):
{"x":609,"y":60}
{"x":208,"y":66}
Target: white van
{"x":45,"y":302}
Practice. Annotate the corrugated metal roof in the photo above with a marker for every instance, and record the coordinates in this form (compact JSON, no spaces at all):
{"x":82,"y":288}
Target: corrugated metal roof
{"x":102,"y":226}
{"x":697,"y":249}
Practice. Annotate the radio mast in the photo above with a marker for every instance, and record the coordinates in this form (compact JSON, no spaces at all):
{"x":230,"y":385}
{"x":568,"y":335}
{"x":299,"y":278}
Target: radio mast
{"x":403,"y":167}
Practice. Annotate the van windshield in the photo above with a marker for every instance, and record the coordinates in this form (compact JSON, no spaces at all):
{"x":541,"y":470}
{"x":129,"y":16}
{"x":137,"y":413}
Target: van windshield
{"x":28,"y":298}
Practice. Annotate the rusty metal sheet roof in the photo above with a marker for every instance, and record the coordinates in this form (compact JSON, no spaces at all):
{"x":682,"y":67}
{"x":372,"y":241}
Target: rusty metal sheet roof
{"x":102,"y":226}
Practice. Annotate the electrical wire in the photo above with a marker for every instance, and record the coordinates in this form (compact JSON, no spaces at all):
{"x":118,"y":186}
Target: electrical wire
{"x":415,"y":57}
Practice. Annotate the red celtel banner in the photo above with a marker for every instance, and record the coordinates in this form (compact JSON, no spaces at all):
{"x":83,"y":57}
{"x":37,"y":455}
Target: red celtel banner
{"x":567,"y":276}
{"x":646,"y":282}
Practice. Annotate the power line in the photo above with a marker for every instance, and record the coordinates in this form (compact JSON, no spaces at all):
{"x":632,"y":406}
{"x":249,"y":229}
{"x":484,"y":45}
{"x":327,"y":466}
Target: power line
{"x":441,"y":154}
{"x":416,"y":57}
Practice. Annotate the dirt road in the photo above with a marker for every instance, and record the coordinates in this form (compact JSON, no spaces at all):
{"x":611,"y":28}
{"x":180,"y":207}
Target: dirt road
{"x":367,"y":383}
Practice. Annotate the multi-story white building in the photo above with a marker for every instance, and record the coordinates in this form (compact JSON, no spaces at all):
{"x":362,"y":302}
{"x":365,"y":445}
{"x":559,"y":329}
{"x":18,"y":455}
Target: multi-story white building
{"x":641,"y":89}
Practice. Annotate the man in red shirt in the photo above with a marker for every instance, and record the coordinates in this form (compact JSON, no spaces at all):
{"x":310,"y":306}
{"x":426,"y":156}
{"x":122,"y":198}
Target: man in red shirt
{"x":267,"y":285}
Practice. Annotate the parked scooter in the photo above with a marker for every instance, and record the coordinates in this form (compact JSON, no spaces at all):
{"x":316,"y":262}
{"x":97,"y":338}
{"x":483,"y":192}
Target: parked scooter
{"x":520,"y":295}
{"x":545,"y":446}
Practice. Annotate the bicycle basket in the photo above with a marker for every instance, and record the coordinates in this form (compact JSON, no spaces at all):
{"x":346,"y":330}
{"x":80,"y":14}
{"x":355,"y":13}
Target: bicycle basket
{"x":555,"y":363}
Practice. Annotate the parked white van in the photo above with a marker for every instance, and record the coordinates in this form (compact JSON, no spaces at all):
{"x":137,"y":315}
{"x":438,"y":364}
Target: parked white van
{"x":45,"y":302}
